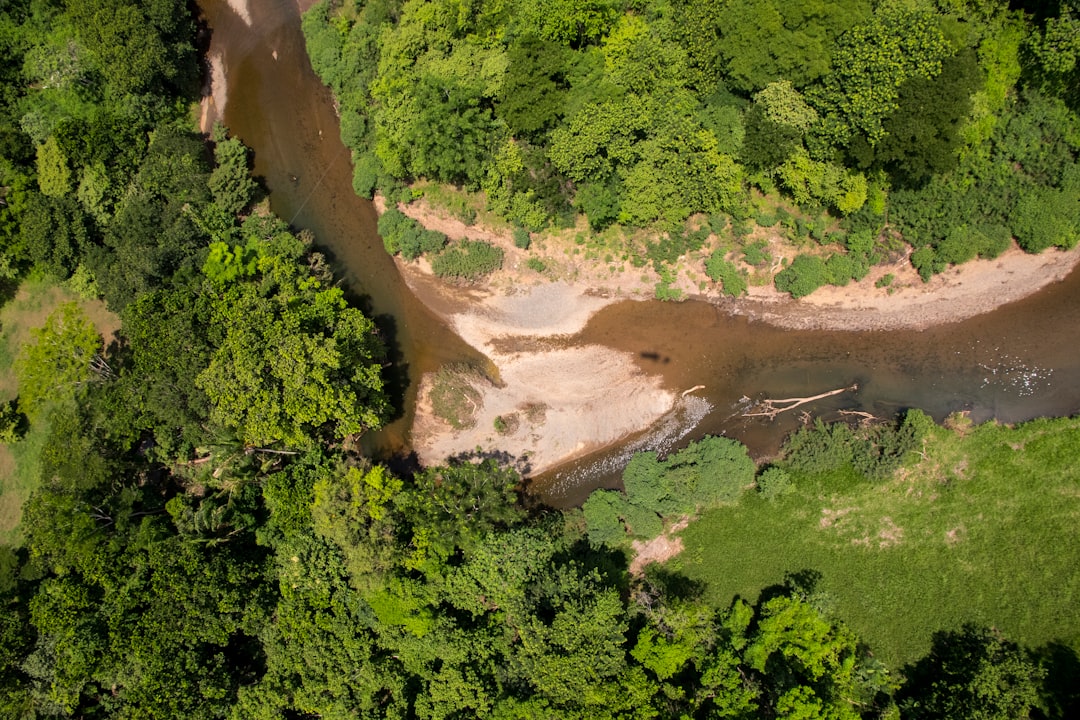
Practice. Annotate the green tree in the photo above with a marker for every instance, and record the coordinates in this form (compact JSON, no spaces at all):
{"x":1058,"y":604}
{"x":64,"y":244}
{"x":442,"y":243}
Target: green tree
{"x":57,"y":359}
{"x":293,"y":361}
{"x":230,"y":181}
{"x":870,"y":65}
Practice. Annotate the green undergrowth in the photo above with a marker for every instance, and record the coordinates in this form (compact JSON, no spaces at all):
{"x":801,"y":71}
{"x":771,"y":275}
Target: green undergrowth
{"x":981,"y":527}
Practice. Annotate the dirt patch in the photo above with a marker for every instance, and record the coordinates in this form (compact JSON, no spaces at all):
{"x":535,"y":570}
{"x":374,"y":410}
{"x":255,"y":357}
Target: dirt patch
{"x":956,"y":535}
{"x":660,"y":549}
{"x":830,"y":517}
{"x":890,"y":533}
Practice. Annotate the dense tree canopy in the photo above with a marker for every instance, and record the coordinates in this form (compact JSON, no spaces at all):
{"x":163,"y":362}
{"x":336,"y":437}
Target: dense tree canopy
{"x":646,"y":115}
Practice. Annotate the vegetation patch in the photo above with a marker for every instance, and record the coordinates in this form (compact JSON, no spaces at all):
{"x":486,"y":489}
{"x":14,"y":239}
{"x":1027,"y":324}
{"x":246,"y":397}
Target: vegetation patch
{"x":467,"y":260}
{"x":964,"y":532}
{"x":454,"y":395}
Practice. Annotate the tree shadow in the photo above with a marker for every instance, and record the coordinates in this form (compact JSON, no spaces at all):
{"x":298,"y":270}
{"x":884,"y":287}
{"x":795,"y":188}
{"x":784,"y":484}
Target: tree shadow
{"x":797,"y":583}
{"x":1061,"y":687}
{"x":520,"y":463}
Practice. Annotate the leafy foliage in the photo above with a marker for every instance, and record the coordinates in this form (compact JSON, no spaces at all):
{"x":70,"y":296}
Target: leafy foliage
{"x":467,"y":260}
{"x":57,"y":359}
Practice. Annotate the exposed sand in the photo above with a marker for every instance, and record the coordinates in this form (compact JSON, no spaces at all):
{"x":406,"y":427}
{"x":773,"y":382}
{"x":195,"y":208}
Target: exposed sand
{"x":240,"y":7}
{"x":960,"y":292}
{"x":560,"y":402}
{"x":215,"y":95}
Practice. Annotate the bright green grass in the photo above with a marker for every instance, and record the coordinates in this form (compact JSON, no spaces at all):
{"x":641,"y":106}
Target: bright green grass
{"x":985,"y":528}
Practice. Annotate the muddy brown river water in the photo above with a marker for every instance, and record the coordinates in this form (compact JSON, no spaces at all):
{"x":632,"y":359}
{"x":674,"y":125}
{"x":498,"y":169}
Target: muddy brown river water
{"x":1013,"y":364}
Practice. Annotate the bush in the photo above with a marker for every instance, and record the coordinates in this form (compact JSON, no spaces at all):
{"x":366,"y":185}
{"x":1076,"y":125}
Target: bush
{"x":840,"y":269}
{"x":536,"y":264}
{"x":755,"y":253}
{"x":522,"y":239}
{"x":875,"y":452}
{"x":926,"y":262}
{"x":468,"y":260}
{"x":720,"y":270}
{"x":13,"y":424}
{"x":773,"y":483}
{"x":805,"y":275}
{"x":663,"y":289}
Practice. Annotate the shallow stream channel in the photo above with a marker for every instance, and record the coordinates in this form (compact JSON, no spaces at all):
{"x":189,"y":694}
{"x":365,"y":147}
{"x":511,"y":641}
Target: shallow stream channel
{"x":1015,"y":363}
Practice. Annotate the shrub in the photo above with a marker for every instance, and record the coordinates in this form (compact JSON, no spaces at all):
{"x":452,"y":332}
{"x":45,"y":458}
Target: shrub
{"x":755,"y":253}
{"x":717,"y":223}
{"x":720,"y":270}
{"x":774,"y":482}
{"x":885,"y":280}
{"x":805,"y":275}
{"x":13,"y":424}
{"x":535,"y":263}
{"x":663,"y":289}
{"x":522,"y":239}
{"x":875,"y":452}
{"x":839,"y":269}
{"x":468,"y":260}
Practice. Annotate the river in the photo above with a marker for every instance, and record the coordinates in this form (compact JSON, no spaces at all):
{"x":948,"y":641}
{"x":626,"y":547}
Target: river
{"x":1013,"y":364}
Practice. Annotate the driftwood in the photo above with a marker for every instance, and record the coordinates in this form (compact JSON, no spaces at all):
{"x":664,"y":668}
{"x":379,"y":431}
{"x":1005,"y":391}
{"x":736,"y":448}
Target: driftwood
{"x":866,"y":417}
{"x":772,"y":408}
{"x":693,"y":389}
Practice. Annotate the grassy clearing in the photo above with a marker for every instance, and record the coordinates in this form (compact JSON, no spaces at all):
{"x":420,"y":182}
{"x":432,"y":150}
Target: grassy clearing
{"x":35,"y":299}
{"x":984,"y":528}
{"x":454,"y":396}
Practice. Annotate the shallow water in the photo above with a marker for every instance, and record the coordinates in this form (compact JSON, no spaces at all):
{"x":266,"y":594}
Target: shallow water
{"x":1015,"y":363}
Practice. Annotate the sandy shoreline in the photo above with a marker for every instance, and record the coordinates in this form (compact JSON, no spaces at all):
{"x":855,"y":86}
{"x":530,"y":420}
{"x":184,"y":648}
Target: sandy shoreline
{"x":524,"y":323}
{"x":557,"y":400}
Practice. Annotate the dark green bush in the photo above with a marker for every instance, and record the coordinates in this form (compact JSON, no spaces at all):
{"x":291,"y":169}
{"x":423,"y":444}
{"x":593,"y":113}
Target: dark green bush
{"x":522,"y":239}
{"x":805,"y":275}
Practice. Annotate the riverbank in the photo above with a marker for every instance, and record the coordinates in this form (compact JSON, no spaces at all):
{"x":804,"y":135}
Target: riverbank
{"x":905,"y":303}
{"x":552,"y":401}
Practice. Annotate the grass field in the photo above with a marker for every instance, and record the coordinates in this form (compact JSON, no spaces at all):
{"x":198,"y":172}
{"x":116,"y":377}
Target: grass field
{"x":33,"y":302}
{"x":984,"y":528}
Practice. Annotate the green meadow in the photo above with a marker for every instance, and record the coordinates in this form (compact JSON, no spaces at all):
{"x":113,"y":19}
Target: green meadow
{"x":981,"y":525}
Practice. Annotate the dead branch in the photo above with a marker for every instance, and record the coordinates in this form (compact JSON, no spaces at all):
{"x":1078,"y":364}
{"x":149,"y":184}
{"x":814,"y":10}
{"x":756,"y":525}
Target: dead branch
{"x":772,"y":408}
{"x":866,"y":417}
{"x":693,"y":389}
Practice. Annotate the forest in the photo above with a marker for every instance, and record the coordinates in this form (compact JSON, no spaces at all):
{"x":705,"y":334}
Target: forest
{"x":935,"y":130}
{"x":195,"y":533}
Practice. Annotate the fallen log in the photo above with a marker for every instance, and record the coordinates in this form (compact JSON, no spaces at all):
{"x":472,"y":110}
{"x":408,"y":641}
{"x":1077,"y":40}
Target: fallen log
{"x":772,"y":408}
